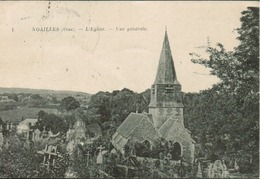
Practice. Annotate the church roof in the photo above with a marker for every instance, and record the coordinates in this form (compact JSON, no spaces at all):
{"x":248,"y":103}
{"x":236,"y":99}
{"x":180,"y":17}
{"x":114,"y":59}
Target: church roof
{"x":130,"y":123}
{"x":166,"y":73}
{"x":164,"y":129}
{"x":167,"y":126}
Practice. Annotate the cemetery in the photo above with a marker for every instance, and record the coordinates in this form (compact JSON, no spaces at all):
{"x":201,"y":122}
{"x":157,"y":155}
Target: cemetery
{"x":159,"y":133}
{"x":97,"y":158}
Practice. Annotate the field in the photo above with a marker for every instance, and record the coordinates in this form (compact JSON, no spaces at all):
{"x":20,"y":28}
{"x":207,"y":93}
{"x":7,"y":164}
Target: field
{"x":16,"y":115}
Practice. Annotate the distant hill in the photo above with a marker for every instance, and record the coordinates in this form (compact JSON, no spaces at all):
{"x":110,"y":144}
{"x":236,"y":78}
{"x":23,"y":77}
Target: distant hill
{"x":41,"y":91}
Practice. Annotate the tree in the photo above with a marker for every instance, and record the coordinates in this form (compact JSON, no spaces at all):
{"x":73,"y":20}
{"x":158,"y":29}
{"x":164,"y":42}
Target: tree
{"x":52,"y":122}
{"x":69,"y":103}
{"x":36,"y":97}
{"x":99,"y":107}
{"x":238,"y":70}
{"x":41,"y":114}
{"x":13,"y":97}
{"x":235,"y":128}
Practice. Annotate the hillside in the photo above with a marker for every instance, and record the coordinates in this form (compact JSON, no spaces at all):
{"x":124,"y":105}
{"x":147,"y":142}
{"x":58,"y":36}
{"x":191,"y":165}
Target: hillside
{"x":41,"y":91}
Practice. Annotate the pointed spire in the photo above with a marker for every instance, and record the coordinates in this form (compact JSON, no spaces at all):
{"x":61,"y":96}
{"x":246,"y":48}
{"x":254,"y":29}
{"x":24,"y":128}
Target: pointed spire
{"x":166,"y":73}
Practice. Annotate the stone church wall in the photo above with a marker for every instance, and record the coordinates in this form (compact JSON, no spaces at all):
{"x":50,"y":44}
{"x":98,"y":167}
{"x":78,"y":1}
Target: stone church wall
{"x":160,"y":115}
{"x":178,"y":133}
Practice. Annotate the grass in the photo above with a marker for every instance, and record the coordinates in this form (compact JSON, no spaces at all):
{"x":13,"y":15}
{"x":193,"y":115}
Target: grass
{"x":15,"y":115}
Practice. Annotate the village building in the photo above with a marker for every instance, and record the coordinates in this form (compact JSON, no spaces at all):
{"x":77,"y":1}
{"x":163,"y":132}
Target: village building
{"x":24,"y":126}
{"x":165,"y":117}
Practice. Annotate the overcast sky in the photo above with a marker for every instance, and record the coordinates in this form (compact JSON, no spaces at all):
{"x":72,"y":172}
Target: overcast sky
{"x":109,"y":60}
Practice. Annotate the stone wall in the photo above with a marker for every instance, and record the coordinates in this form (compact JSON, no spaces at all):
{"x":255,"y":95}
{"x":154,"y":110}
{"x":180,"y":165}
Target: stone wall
{"x":160,"y":115}
{"x":178,"y":133}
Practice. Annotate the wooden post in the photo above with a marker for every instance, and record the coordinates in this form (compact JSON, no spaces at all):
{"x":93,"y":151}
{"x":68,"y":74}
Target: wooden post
{"x":181,"y":168}
{"x":126,"y":167}
{"x":88,"y":157}
{"x":47,"y":152}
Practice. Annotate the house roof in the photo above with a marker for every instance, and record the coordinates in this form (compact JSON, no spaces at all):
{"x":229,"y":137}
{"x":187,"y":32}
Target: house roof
{"x":130,"y":123}
{"x":26,"y":121}
{"x":166,"y":73}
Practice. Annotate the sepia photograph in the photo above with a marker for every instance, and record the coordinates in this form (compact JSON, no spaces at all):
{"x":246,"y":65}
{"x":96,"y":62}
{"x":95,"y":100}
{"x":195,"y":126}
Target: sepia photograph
{"x":129,"y":89}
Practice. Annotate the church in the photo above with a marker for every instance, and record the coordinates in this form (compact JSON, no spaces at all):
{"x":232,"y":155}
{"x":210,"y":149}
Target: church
{"x":165,"y":118}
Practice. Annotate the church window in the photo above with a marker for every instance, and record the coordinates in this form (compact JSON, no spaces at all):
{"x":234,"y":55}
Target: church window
{"x":153,"y":89}
{"x":147,"y":144}
{"x":176,"y":152}
{"x":169,"y":89}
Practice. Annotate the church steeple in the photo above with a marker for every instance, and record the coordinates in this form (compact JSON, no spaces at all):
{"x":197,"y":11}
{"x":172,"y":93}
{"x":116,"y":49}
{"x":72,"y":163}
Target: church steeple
{"x":166,"y":73}
{"x":166,"y":98}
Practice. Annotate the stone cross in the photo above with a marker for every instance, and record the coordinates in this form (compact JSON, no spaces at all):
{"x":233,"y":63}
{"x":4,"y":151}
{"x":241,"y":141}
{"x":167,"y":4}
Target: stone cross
{"x":50,"y":152}
{"x":100,"y":157}
{"x":126,"y":167}
{"x":100,"y":148}
{"x":88,"y":157}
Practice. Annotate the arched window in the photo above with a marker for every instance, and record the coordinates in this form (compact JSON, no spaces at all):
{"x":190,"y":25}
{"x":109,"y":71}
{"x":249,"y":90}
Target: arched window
{"x":176,"y":152}
{"x":147,"y":144}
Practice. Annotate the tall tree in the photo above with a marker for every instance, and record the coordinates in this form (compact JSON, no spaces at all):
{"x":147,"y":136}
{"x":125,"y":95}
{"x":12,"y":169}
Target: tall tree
{"x":69,"y":103}
{"x":238,"y":70}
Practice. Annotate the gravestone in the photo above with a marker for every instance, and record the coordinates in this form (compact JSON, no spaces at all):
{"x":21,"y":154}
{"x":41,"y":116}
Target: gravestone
{"x":216,"y":170}
{"x":69,"y":134}
{"x":225,"y":171}
{"x":37,"y":136}
{"x":199,"y":172}
{"x":50,"y":133}
{"x":74,"y":137}
{"x":100,"y":155}
{"x":70,"y":147}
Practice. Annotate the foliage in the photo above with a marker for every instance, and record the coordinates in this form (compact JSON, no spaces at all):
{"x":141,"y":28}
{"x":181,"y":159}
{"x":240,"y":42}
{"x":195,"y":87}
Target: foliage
{"x":224,"y":119}
{"x":69,"y":103}
{"x":17,"y":161}
{"x":8,"y":105}
{"x":37,"y":100}
{"x":51,"y":122}
{"x":116,"y":106}
{"x":15,"y":115}
{"x":13,"y":96}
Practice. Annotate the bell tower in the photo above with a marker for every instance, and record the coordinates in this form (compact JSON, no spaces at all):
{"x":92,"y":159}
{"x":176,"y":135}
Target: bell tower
{"x":166,"y":97}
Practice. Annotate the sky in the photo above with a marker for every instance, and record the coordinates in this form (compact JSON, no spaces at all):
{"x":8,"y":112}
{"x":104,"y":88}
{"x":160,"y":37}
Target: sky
{"x":68,"y":57}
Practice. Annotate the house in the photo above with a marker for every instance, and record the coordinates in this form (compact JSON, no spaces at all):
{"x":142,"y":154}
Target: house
{"x":24,"y":125}
{"x":165,"y":118}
